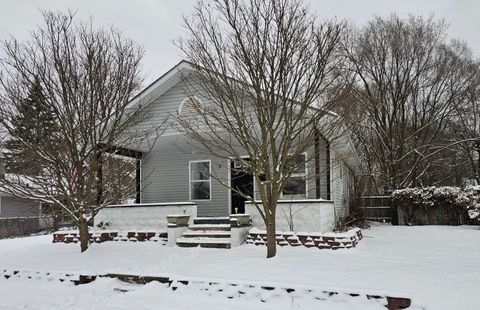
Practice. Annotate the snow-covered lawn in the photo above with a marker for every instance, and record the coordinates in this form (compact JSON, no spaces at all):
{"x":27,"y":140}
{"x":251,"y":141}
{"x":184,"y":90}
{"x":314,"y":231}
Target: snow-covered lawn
{"x":437,"y":266}
{"x":104,"y":294}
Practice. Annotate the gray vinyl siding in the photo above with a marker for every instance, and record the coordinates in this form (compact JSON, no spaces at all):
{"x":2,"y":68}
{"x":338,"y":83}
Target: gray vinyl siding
{"x":166,"y":176}
{"x":18,"y":207}
{"x":165,"y":167}
{"x":162,"y":104}
{"x":324,"y":168}
{"x":348,"y":187}
{"x":343,"y":182}
{"x":162,"y":108}
{"x":311,"y":175}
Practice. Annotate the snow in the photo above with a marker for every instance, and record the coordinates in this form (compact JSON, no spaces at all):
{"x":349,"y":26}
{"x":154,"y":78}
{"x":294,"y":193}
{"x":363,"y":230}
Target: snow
{"x":107,"y":294}
{"x":204,"y":240}
{"x":208,"y":226}
{"x":437,"y":266}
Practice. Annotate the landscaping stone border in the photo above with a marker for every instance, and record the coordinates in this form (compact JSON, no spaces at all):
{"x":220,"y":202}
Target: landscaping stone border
{"x":111,"y":235}
{"x":227,"y":289}
{"x":331,"y":241}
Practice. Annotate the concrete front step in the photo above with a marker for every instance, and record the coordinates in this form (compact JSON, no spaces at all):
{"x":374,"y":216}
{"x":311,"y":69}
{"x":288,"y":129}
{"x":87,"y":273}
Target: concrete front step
{"x":211,"y":220}
{"x":217,"y":243}
{"x":206,"y":234}
{"x":210,"y":227}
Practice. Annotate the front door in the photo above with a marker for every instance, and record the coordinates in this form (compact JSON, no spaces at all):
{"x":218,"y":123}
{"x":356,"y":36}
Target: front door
{"x":241,"y":181}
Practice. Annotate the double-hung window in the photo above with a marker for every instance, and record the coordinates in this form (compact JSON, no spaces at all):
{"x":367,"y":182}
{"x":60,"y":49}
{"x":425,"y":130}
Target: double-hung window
{"x":296,"y":184}
{"x":200,"y":180}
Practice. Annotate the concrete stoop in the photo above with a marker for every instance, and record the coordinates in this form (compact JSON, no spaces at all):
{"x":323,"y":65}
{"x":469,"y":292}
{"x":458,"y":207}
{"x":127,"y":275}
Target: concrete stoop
{"x":211,"y":232}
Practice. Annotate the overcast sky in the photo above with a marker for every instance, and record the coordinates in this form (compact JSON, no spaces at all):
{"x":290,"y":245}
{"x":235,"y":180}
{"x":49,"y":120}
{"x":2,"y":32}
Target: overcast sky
{"x":155,"y":23}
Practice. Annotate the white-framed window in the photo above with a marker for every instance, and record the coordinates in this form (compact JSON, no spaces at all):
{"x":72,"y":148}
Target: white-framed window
{"x":296,"y":185}
{"x":200,"y":180}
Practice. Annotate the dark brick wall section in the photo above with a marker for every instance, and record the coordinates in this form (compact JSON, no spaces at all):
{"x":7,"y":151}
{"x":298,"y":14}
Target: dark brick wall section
{"x":330,"y":241}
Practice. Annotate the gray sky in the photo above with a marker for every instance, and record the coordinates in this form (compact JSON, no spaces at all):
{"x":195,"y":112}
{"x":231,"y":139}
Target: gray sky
{"x":155,"y":23}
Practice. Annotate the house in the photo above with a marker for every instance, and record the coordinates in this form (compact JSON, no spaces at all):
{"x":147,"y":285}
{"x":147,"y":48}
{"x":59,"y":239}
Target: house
{"x":21,"y":216}
{"x":11,"y":206}
{"x":169,"y":174}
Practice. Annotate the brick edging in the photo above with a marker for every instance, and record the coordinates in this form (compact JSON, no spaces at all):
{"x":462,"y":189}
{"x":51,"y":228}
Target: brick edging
{"x":330,"y":241}
{"x":99,"y":237}
{"x":236,"y":289}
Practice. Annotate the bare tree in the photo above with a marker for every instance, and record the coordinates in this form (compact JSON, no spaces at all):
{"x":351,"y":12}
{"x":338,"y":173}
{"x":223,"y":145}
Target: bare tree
{"x":267,"y":73}
{"x":86,"y":78}
{"x":408,"y":82}
{"x":464,"y":127}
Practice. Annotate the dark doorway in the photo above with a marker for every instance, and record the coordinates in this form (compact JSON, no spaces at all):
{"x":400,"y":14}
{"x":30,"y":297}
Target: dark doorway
{"x":242,"y":181}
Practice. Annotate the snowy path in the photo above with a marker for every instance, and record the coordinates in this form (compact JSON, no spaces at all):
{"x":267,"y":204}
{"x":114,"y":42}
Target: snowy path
{"x":438,"y":267}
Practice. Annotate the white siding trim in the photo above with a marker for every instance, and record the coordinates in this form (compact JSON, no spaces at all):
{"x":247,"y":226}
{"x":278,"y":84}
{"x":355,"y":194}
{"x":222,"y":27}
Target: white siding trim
{"x":229,"y":180}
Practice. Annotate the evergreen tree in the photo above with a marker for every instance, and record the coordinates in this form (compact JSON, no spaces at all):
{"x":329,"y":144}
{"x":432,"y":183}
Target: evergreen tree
{"x":34,"y":124}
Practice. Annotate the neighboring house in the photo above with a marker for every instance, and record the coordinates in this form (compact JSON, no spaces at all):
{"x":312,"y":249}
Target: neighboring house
{"x":21,"y":217}
{"x":11,"y":206}
{"x":171,"y":171}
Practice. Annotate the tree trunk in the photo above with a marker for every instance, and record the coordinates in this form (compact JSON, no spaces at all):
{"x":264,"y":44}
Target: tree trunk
{"x":477,"y":171}
{"x":83,"y":231}
{"x":56,"y":221}
{"x":271,"y":234}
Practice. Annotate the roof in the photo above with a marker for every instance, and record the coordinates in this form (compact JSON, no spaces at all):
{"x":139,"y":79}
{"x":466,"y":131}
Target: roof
{"x":342,"y":145}
{"x":162,"y":84}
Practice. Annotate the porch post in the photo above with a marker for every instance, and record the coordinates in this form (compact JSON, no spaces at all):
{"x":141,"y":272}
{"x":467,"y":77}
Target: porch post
{"x":329,"y":179}
{"x":138,"y":180}
{"x":317,"y":164}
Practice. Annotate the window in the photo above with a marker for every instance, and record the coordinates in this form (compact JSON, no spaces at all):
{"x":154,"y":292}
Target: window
{"x":200,"y":180}
{"x":296,"y":185}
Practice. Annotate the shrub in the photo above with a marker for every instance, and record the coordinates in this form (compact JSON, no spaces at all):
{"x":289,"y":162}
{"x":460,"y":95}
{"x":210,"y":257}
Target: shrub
{"x":474,"y":208}
{"x":354,"y":219}
{"x":436,"y":205}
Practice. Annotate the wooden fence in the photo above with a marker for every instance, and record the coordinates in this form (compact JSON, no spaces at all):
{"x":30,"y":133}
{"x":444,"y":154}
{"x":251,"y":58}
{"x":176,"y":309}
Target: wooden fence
{"x":376,"y":208}
{"x":24,"y":226}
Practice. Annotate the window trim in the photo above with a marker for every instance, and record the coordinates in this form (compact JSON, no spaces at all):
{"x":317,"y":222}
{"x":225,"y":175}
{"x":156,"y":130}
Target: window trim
{"x":305,"y":174}
{"x":190,"y":181}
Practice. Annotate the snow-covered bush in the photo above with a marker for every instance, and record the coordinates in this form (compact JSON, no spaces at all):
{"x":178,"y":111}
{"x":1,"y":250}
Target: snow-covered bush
{"x":474,"y":207}
{"x":437,"y":205}
{"x":428,"y":197}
